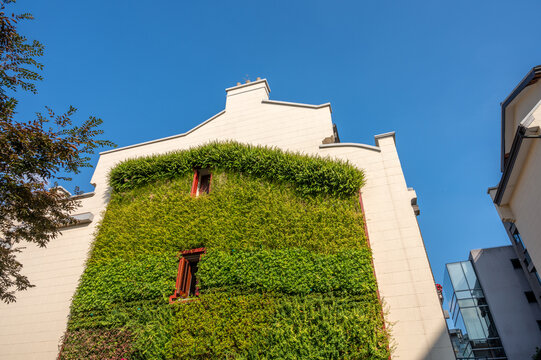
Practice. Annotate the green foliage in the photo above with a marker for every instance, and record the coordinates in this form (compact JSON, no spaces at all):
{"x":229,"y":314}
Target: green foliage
{"x":223,"y":325}
{"x":308,"y":175}
{"x":289,"y":271}
{"x":240,"y":213}
{"x":125,"y":281}
{"x":34,"y":154}
{"x":96,"y":344}
{"x":327,"y":326}
{"x":276,"y":326}
{"x":285,"y":276}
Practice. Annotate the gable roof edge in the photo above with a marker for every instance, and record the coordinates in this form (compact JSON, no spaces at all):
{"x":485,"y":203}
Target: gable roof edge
{"x":165,"y":138}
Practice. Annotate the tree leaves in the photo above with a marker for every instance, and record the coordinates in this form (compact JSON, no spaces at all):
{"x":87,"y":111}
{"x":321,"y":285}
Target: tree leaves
{"x":34,"y":154}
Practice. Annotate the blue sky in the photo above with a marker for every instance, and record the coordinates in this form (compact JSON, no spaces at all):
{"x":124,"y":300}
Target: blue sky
{"x":433,"y":71}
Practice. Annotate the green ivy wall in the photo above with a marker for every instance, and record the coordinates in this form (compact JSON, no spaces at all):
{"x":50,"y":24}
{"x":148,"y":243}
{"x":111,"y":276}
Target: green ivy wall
{"x":287,"y":273}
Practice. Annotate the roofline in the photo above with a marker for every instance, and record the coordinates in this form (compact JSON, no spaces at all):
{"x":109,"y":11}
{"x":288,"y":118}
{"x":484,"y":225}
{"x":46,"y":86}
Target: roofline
{"x":387,"y":134}
{"x":492,"y":248}
{"x":515,"y":148}
{"x":165,"y":138}
{"x":529,"y":79}
{"x":83,"y":196}
{"x":309,"y":106}
{"x":249,"y":84}
{"x":355,"y":145}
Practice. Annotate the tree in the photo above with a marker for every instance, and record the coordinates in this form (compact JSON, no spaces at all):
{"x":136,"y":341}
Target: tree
{"x":34,"y":155}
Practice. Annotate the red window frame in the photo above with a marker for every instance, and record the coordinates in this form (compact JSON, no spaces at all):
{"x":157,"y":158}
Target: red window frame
{"x":196,"y":183}
{"x":185,"y":277}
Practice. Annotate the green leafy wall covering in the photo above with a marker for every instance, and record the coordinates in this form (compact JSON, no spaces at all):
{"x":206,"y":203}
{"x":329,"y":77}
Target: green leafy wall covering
{"x":287,"y":273}
{"x":308,"y":175}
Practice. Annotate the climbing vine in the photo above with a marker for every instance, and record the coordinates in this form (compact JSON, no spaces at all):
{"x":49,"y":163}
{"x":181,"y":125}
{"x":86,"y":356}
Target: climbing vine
{"x":287,"y":273}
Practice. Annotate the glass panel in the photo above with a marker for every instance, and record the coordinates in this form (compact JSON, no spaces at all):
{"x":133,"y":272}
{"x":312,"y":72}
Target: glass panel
{"x":470,"y":275}
{"x":453,"y":304}
{"x":457,"y":277}
{"x":518,"y":239}
{"x":474,"y":335}
{"x":466,"y":303}
{"x":481,"y":301}
{"x":463,"y":294}
{"x":459,"y":323}
{"x":478,"y":294}
{"x":447,"y":286}
{"x":475,"y":328}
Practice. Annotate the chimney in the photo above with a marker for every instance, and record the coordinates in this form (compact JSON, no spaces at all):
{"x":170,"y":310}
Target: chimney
{"x":248,"y":94}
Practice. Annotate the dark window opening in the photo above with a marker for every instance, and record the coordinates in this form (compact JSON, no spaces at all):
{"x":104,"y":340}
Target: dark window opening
{"x":201,"y":182}
{"x":204,"y":184}
{"x":518,"y":238}
{"x":539,"y":324}
{"x":516,"y":263}
{"x":186,"y":284}
{"x":527,"y":258}
{"x":530,"y":296}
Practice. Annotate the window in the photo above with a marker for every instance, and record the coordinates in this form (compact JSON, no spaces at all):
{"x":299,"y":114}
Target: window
{"x":527,"y":258}
{"x":516,"y":263}
{"x":518,"y":238}
{"x":538,"y":277}
{"x":539,"y":324}
{"x":186,"y":284}
{"x":530,"y":296}
{"x":201,"y":182}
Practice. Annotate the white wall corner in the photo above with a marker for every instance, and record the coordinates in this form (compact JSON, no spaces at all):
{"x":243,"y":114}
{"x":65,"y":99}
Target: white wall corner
{"x":506,"y":214}
{"x":384,"y":138}
{"x":244,"y":94}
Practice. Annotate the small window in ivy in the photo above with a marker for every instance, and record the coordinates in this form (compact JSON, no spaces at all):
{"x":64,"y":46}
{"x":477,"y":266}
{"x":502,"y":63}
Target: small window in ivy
{"x":201,"y":182}
{"x":186,"y":284}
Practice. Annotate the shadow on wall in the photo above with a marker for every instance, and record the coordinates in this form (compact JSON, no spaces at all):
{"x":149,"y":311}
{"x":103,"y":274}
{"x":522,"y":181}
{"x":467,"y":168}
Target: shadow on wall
{"x":439,"y":349}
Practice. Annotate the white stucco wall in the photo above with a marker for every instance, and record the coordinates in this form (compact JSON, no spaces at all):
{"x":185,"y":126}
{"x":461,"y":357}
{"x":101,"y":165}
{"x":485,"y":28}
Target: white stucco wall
{"x":518,"y":109}
{"x":522,"y":201}
{"x":525,"y":202}
{"x":504,"y":289}
{"x":404,"y":277}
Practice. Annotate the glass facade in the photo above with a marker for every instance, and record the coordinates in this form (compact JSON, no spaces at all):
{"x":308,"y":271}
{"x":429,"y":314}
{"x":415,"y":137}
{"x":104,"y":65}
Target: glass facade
{"x":473,"y":333}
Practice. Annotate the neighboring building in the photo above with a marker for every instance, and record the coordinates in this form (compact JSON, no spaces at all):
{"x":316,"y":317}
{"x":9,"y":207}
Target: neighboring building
{"x":518,"y":195}
{"x":493,"y":311}
{"x":32,"y":327}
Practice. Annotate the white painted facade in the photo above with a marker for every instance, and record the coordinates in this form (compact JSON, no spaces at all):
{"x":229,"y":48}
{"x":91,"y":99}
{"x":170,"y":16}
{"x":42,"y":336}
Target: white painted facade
{"x":519,"y":200}
{"x":31,"y":328}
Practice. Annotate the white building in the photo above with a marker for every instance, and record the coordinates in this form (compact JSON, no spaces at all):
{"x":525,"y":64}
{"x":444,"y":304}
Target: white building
{"x":518,"y":195}
{"x":31,"y":328}
{"x":494,"y":313}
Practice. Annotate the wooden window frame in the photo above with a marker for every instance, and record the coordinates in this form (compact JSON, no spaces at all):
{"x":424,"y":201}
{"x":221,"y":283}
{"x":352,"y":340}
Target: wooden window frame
{"x":196,"y":183}
{"x":185,"y":275}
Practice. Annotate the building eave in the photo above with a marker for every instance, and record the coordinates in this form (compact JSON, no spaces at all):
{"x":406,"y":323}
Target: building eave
{"x":165,"y":138}
{"x":531,"y":78}
{"x":250,"y":84}
{"x":350,"y":145}
{"x":308,"y":106}
{"x":517,"y":157}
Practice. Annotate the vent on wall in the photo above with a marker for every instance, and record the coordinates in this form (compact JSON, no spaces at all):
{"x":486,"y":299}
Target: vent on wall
{"x":81,"y":219}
